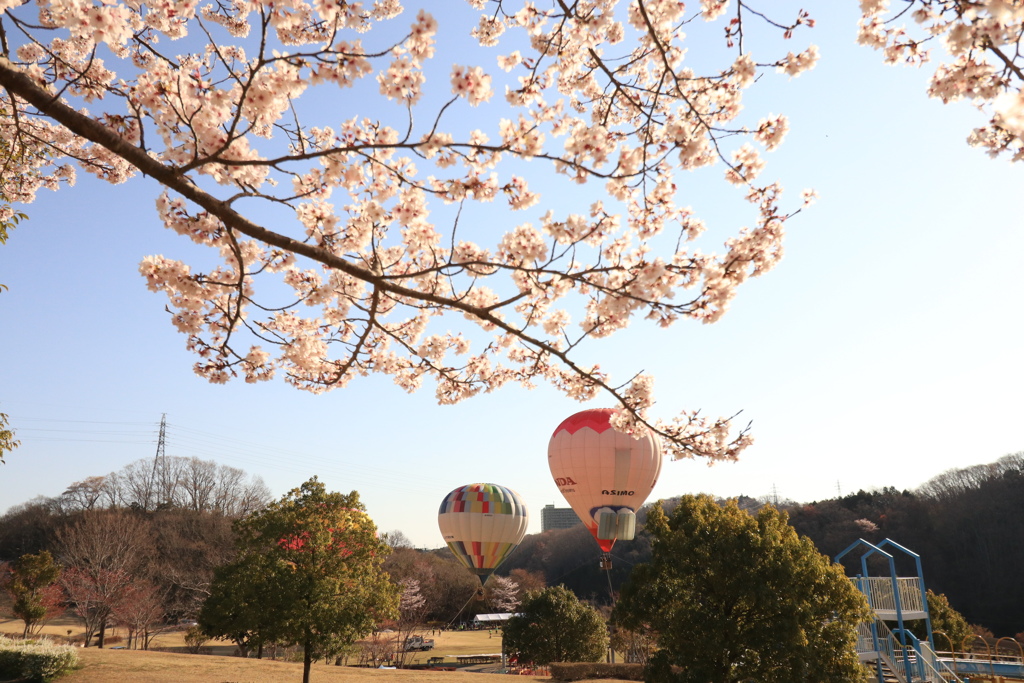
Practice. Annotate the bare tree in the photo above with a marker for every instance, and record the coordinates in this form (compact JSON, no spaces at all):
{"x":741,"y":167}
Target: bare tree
{"x":85,"y":495}
{"x":376,"y":649}
{"x":113,"y":539}
{"x":169,"y":475}
{"x":527,"y":580}
{"x":87,"y":599}
{"x":140,"y":609}
{"x":237,"y":496}
{"x":188,"y":546}
{"x":114,"y":491}
{"x":197,"y":483}
{"x":104,"y":551}
{"x":171,"y":481}
{"x":397,"y":539}
{"x":956,"y":482}
{"x":138,"y":485}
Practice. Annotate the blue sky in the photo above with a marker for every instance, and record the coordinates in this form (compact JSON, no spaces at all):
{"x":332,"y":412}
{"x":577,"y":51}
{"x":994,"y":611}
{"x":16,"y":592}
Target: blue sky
{"x":883,"y":350}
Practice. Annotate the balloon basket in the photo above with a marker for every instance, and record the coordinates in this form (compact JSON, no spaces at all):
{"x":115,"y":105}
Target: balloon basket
{"x":605,"y":563}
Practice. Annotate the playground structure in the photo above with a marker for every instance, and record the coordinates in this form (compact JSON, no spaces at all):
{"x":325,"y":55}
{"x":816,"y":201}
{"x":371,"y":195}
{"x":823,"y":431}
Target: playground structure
{"x":895,"y":654}
{"x":1002,"y":662}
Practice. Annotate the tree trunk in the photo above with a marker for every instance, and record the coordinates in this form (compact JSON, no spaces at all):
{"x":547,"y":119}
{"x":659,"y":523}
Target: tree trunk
{"x":103,"y":632}
{"x":307,"y":658}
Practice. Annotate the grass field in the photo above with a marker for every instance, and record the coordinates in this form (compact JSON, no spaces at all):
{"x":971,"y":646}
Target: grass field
{"x":136,"y":666}
{"x":446,"y":643}
{"x":107,"y":666}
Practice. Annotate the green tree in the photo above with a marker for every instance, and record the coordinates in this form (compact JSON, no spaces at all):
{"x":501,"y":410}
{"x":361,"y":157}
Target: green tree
{"x":239,"y":605}
{"x":738,"y":597}
{"x":948,"y":621}
{"x":552,"y":625}
{"x":31,"y":583}
{"x":309,"y":572}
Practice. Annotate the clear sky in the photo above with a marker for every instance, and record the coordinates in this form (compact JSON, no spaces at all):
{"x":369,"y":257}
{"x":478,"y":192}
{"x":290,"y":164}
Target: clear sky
{"x":884,"y":349}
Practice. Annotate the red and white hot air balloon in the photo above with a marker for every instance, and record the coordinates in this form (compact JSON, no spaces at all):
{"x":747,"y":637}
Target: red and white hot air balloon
{"x":605,"y":475}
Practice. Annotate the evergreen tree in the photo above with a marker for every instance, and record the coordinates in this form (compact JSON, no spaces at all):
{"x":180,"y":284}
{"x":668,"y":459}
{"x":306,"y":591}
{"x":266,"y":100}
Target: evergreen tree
{"x":31,"y":583}
{"x":552,"y":625}
{"x":949,"y":627}
{"x":738,"y":597}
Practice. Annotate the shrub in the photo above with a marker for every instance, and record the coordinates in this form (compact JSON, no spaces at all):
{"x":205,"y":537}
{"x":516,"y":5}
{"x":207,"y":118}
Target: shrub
{"x":580,"y":671}
{"x":552,"y":625}
{"x":35,"y":660}
{"x":195,"y":639}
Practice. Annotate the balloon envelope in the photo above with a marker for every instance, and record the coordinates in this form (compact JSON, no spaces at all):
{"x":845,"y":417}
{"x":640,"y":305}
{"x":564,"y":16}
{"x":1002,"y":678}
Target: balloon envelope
{"x":604,"y":475}
{"x":482,"y":524}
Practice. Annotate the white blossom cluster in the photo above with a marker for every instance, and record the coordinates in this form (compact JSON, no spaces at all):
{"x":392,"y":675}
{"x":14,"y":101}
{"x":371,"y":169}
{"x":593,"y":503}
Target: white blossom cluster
{"x":209,"y":100}
{"x":981,"y":40}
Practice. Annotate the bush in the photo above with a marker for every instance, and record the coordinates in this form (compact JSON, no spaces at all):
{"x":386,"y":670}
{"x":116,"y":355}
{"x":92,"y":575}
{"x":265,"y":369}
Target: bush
{"x":35,"y":660}
{"x":195,"y":639}
{"x":580,"y":671}
{"x":552,"y":625}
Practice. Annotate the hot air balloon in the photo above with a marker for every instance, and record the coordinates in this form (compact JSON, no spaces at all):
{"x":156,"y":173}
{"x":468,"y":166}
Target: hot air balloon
{"x":482,"y":524}
{"x":605,"y":475}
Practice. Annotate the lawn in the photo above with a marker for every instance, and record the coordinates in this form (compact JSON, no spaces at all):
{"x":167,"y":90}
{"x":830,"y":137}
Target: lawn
{"x":108,"y":666}
{"x":115,"y":665}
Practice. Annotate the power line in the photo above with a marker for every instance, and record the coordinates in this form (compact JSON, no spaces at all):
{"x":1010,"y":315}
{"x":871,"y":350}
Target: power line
{"x":22,"y":418}
{"x":180,"y":440}
{"x":223,"y":447}
{"x":80,"y":440}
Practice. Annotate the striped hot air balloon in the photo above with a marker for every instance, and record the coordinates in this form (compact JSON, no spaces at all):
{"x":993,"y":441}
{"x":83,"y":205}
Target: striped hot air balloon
{"x":605,"y":475}
{"x":482,"y":524}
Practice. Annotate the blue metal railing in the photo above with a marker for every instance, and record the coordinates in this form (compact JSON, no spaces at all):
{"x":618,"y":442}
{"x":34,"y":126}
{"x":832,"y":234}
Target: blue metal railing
{"x":916,"y":662}
{"x":926,"y":664}
{"x":888,"y":649}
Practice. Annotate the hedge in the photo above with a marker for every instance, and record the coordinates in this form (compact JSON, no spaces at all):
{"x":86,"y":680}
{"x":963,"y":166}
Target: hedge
{"x":35,"y":660}
{"x":579,"y":671}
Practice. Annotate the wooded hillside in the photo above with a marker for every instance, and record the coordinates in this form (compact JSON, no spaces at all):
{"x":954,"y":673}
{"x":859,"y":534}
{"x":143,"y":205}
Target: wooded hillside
{"x":174,"y":526}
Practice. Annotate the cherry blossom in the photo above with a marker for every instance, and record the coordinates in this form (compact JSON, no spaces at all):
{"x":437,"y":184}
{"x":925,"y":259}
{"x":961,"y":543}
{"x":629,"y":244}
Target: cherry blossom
{"x":435,"y":234}
{"x":981,"y":45}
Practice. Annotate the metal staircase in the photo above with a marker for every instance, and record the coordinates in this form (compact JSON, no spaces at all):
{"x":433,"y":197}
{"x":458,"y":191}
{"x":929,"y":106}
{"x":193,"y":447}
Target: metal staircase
{"x":896,"y":655}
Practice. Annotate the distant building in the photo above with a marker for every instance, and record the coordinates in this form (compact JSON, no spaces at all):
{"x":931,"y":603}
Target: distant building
{"x":557,"y":518}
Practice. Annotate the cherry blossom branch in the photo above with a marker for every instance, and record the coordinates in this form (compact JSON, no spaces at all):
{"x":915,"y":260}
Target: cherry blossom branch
{"x":21,"y":86}
{"x":968,"y":31}
{"x":384,"y":275}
